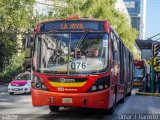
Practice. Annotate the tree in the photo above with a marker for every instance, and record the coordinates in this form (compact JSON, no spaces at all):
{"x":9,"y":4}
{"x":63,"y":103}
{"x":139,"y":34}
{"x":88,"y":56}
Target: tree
{"x":15,"y":18}
{"x":102,"y":9}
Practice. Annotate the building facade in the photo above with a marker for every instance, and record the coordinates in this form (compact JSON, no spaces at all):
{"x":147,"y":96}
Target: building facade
{"x":137,"y":12}
{"x":120,"y":5}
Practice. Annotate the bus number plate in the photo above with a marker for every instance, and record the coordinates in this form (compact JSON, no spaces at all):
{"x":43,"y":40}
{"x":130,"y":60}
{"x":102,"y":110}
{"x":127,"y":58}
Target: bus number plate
{"x":79,"y":65}
{"x":66,"y":100}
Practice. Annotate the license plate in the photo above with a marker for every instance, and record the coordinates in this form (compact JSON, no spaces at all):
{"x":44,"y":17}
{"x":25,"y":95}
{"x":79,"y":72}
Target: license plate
{"x":66,"y":100}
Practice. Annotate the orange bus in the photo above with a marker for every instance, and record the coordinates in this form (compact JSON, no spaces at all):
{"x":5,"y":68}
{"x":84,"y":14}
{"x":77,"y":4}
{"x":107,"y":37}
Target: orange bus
{"x":80,"y":62}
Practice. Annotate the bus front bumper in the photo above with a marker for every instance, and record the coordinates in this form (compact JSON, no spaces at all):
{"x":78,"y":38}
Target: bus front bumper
{"x":138,"y":84}
{"x":91,"y":100}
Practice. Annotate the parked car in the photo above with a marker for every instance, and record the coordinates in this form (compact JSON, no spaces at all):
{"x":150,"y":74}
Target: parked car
{"x":21,"y":84}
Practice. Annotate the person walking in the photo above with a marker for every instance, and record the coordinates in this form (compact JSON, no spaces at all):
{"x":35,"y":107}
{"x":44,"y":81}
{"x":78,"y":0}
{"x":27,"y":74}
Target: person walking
{"x":155,"y":82}
{"x":148,"y":80}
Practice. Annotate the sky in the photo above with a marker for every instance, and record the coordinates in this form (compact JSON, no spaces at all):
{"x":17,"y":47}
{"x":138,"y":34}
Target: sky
{"x":152,"y":18}
{"x":41,"y":7}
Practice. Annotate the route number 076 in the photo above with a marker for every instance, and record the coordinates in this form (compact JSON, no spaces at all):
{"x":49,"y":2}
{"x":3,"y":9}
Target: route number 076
{"x":78,"y":65}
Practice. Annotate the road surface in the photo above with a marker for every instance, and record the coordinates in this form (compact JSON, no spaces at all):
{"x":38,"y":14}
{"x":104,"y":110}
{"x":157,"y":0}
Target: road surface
{"x":19,"y":107}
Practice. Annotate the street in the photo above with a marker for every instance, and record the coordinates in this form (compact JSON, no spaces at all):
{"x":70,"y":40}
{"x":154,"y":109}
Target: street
{"x":85,"y":53}
{"x":19,"y":107}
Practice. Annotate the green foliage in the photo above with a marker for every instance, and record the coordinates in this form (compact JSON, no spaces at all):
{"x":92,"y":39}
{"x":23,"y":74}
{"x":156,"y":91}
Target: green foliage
{"x":16,"y":17}
{"x":102,"y":9}
{"x":14,"y":67}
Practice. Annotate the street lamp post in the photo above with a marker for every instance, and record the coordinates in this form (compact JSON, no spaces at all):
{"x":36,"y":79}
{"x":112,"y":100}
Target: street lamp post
{"x":152,"y":80}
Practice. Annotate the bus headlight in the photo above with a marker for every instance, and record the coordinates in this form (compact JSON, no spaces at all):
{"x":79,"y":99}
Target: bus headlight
{"x":105,"y":86}
{"x":94,"y":88}
{"x":38,"y":84}
{"x":100,"y":87}
{"x":44,"y":87}
{"x":101,"y":83}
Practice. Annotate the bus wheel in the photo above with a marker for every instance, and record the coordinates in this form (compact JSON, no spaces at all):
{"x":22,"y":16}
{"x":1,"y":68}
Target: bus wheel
{"x":123,"y":99}
{"x":54,"y":108}
{"x":111,"y":110}
{"x":129,"y":94}
{"x":11,"y":93}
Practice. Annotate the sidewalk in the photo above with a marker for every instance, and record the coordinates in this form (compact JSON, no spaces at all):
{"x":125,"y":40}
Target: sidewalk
{"x":148,"y":94}
{"x":4,"y":84}
{"x":3,"y":88}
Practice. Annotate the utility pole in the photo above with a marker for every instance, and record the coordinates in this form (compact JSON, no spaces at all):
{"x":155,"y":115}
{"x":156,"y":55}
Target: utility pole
{"x":152,"y":80}
{"x":154,"y":60}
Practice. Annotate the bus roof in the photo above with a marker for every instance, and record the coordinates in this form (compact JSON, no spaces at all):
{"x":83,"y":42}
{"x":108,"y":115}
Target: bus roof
{"x":140,"y":63}
{"x":75,"y":18}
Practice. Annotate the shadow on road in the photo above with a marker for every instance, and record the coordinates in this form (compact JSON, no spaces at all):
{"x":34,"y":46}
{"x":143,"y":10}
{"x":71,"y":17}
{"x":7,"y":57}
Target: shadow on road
{"x":76,"y":114}
{"x":8,"y":101}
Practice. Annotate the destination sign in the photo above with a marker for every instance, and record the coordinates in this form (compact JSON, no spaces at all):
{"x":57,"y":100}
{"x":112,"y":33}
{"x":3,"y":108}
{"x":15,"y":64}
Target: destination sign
{"x":72,"y":25}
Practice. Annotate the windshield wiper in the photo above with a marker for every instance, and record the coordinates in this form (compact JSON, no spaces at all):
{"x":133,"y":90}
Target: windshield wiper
{"x":82,"y":38}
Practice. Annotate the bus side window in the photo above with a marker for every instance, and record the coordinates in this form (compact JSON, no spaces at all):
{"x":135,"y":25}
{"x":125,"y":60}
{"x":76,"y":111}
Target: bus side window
{"x":114,"y":47}
{"x":117,"y":44}
{"x":121,"y":63}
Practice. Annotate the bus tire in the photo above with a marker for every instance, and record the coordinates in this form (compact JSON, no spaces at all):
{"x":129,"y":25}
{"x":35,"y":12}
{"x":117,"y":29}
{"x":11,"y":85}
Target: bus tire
{"x":54,"y":108}
{"x":129,"y":94}
{"x":123,"y":99}
{"x":124,"y":95}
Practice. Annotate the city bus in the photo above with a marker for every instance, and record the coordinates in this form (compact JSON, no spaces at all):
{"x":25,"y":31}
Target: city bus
{"x":80,"y":62}
{"x":139,"y":74}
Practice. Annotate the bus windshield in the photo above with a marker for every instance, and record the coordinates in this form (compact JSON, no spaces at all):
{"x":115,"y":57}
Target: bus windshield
{"x":139,"y":72}
{"x":71,"y":53}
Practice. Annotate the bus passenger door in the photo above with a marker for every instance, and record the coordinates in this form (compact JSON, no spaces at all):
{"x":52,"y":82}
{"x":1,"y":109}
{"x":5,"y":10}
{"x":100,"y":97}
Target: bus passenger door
{"x":122,"y":71}
{"x":115,"y":64}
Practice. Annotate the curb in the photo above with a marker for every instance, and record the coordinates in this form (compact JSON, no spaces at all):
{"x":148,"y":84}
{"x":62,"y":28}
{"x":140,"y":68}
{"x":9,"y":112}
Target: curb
{"x":148,"y":94}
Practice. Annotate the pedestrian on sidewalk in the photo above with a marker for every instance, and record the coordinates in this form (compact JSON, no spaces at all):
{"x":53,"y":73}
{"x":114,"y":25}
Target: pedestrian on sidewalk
{"x":155,"y":82}
{"x":148,"y":84}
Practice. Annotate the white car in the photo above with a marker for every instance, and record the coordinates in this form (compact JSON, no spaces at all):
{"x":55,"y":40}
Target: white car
{"x":21,"y":84}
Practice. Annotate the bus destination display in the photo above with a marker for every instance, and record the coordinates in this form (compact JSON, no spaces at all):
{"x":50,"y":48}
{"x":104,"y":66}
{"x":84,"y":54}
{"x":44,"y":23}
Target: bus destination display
{"x":71,"y":25}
